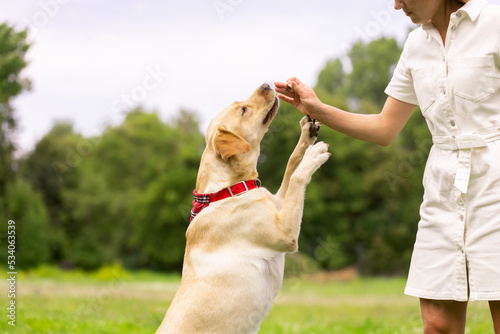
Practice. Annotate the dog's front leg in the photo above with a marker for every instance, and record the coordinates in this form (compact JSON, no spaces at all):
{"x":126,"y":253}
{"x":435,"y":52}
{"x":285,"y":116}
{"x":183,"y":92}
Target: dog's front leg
{"x":305,"y":141}
{"x":290,"y":216}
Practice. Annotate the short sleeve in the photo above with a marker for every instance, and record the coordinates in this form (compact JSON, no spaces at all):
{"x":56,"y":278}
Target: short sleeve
{"x":401,"y":86}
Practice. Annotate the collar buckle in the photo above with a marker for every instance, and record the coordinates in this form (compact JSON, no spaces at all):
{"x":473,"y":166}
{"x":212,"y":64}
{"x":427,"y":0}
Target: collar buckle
{"x":239,"y":193}
{"x":257,"y":182}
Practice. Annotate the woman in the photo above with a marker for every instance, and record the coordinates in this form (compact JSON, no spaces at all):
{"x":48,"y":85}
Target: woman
{"x":450,"y":68}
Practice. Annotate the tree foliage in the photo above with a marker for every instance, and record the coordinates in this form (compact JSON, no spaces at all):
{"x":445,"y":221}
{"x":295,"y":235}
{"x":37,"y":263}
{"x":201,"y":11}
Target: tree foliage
{"x":13,"y":48}
{"x":18,"y":201}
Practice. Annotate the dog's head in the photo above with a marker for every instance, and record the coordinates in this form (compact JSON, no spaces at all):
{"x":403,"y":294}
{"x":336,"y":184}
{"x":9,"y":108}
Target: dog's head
{"x":240,"y":127}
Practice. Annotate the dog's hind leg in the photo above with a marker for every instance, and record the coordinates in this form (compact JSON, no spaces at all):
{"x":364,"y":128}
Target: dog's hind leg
{"x":305,"y":141}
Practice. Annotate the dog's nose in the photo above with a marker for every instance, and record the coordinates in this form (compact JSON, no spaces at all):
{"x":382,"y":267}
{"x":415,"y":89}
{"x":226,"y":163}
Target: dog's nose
{"x":265,"y":86}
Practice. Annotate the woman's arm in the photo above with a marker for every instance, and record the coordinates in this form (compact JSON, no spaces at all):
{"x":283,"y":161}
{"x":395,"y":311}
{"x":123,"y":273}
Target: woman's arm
{"x":376,"y":128}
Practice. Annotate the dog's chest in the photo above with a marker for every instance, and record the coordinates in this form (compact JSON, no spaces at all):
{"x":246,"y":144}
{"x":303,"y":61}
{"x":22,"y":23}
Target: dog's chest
{"x":249,"y":267}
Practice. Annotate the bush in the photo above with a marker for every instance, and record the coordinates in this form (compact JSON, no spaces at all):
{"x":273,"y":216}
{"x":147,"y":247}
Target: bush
{"x":26,"y":208}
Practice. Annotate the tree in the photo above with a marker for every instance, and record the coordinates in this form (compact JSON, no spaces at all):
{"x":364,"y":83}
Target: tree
{"x":52,"y":168}
{"x":13,"y":48}
{"x":18,"y":201}
{"x":164,"y":206}
{"x":332,"y":79}
{"x":372,"y":67}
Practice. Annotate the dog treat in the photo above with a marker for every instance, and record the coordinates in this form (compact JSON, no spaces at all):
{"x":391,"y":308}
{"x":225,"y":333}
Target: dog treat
{"x":290,"y":88}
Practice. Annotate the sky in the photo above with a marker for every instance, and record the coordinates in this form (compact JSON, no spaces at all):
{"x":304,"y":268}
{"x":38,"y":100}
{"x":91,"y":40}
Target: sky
{"x":92,"y":60}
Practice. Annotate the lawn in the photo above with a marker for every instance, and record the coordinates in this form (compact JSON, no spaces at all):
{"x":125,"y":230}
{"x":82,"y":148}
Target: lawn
{"x":114,"y":301}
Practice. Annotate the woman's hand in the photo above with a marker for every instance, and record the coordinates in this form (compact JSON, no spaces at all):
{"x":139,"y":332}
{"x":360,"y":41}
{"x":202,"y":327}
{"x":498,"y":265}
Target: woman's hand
{"x":300,"y":96}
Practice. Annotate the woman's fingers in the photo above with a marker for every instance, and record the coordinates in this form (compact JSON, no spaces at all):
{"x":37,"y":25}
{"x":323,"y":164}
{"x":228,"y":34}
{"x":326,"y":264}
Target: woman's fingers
{"x":283,"y":89}
{"x":281,"y":85}
{"x":286,"y":98}
{"x":286,"y":90}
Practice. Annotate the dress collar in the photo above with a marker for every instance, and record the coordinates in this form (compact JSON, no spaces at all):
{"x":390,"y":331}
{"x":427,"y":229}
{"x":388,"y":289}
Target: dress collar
{"x":472,"y":8}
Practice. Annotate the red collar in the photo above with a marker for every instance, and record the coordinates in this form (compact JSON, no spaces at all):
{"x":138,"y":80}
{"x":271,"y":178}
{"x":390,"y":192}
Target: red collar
{"x":201,"y":201}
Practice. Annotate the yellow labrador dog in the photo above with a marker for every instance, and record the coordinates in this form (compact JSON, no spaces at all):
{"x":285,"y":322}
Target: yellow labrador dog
{"x":236,"y":243}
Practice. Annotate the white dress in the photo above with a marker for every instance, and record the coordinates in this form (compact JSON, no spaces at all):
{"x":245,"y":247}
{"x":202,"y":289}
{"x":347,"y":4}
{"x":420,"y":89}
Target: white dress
{"x":457,"y":86}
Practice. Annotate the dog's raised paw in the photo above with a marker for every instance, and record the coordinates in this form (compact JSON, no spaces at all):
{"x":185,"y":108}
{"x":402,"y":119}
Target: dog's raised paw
{"x":315,"y":156}
{"x":318,"y":153}
{"x":309,"y":130}
{"x":313,"y":129}
{"x":304,"y":121}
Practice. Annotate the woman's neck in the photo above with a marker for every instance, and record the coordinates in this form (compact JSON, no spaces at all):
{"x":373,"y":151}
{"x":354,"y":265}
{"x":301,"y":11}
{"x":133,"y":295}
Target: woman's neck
{"x":442,"y":18}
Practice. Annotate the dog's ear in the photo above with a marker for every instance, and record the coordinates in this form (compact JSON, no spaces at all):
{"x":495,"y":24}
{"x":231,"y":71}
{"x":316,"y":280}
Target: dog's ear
{"x":228,"y":144}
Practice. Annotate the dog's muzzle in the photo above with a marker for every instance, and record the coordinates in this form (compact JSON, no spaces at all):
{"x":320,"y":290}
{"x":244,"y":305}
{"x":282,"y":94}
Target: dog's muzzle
{"x":272,"y":112}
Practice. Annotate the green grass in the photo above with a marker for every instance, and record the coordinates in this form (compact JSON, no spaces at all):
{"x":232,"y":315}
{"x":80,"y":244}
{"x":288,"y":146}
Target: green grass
{"x":115,"y":301}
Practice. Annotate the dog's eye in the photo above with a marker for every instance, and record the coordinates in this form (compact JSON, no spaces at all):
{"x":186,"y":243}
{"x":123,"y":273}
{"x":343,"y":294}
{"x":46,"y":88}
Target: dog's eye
{"x":244,"y":110}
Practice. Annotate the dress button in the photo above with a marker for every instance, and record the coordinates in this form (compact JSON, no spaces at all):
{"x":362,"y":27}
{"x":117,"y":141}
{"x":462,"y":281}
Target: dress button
{"x":459,"y":15}
{"x":452,"y":123}
{"x":454,"y":28}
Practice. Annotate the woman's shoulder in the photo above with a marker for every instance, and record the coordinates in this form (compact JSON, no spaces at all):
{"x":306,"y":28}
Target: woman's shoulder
{"x":418,"y":33}
{"x":490,"y":11}
{"x":489,"y":17}
{"x":416,"y":37}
